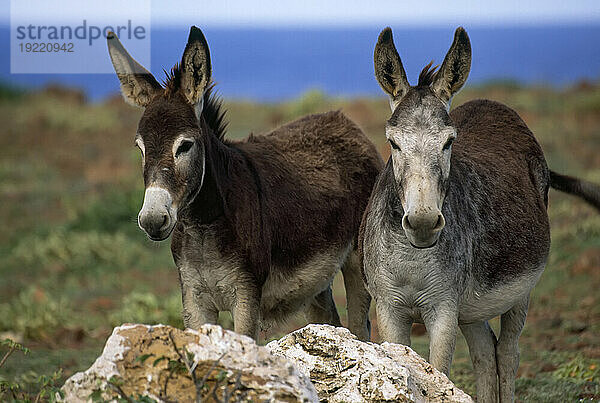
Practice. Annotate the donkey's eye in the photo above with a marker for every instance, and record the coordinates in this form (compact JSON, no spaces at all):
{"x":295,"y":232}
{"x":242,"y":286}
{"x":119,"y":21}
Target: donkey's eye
{"x":184,"y":147}
{"x":394,"y":145}
{"x":448,"y":143}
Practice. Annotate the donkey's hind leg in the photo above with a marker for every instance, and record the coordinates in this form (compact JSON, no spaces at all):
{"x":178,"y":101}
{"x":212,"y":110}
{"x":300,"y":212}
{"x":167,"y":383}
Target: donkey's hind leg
{"x":482,"y":348}
{"x":507,"y":349}
{"x":357,"y":297}
{"x":322,"y":309}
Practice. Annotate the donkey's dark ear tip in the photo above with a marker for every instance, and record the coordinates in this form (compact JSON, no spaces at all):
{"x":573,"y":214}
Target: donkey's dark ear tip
{"x":461,"y":33}
{"x":110,"y":35}
{"x":196,"y":34}
{"x":386,"y":35}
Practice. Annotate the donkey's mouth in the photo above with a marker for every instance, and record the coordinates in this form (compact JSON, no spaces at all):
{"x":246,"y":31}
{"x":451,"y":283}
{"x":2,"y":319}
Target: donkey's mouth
{"x":158,"y":239}
{"x":422,"y":242}
{"x":423,"y":247}
{"x":161,"y":237}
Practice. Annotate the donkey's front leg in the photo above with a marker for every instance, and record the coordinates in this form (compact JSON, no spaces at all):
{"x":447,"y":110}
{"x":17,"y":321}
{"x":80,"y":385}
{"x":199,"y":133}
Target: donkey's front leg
{"x":441,"y":322}
{"x":246,"y":311}
{"x":394,"y":323}
{"x":198,"y":308}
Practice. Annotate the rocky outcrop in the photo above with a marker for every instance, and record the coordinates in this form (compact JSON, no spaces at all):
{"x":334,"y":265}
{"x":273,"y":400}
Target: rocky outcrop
{"x":168,"y":364}
{"x":344,"y":369}
{"x":216,"y":365}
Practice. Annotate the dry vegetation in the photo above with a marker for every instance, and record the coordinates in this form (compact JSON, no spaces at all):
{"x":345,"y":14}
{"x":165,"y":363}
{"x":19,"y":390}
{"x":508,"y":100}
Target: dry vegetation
{"x":73,"y":263}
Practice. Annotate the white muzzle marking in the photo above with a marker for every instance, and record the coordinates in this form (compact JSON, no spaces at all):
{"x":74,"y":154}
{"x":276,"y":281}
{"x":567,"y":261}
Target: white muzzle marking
{"x":157,"y":215}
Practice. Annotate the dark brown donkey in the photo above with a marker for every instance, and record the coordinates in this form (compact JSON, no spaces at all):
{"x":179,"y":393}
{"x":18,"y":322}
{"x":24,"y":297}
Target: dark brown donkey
{"x":456,"y":231}
{"x":261,"y":226}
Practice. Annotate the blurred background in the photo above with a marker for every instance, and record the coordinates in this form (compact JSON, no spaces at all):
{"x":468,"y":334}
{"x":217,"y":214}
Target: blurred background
{"x":73,"y":263}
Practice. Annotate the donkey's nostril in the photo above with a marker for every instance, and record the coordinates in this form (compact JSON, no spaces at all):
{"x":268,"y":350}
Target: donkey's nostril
{"x":406,"y":223}
{"x":441,"y":222}
{"x":165,"y":221}
{"x":154,"y":224}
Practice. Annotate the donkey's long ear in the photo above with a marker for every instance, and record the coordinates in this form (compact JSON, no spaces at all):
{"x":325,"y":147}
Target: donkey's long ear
{"x":138,"y":85}
{"x":388,"y":68}
{"x":195,"y":69}
{"x":455,"y":69}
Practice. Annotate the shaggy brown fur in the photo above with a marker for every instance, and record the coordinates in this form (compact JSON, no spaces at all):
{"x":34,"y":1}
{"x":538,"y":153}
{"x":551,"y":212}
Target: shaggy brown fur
{"x":290,"y":193}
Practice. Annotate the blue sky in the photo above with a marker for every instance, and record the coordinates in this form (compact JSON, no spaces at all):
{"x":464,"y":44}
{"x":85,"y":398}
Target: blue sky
{"x":361,"y":12}
{"x":273,"y":13}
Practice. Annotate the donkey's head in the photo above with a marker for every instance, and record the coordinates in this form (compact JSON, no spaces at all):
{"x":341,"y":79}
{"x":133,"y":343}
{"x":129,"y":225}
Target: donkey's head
{"x":420,"y":132}
{"x":170,"y":135}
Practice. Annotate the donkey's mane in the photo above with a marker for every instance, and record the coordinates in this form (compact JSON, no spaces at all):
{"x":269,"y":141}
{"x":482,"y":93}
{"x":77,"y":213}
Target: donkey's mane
{"x":427,"y":75}
{"x":214,"y":113}
{"x":172,"y":79}
{"x":212,"y":110}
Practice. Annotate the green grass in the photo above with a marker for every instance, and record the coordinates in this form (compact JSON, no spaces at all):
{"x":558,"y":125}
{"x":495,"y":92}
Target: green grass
{"x":73,"y":263}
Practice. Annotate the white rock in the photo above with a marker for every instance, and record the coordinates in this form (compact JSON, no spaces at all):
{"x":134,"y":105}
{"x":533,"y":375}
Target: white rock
{"x":230,"y":362}
{"x":344,"y":369}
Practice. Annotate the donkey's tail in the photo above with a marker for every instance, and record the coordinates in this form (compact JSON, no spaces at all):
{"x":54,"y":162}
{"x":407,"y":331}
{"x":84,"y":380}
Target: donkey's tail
{"x":590,"y":192}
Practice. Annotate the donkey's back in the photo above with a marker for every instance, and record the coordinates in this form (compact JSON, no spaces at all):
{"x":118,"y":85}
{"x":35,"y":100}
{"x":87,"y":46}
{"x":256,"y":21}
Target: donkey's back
{"x":495,"y":138}
{"x":316,"y":174}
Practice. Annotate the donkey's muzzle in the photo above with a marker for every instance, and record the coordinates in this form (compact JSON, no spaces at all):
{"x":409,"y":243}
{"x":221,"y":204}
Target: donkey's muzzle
{"x":155,"y":225}
{"x":423,"y":228}
{"x":157,"y":217}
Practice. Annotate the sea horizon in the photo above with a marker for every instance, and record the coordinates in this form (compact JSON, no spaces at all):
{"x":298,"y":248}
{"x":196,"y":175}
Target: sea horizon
{"x":273,"y":64}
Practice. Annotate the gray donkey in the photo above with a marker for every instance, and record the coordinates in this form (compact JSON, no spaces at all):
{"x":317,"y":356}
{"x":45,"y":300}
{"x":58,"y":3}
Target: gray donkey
{"x":456,"y":230}
{"x":261,"y":226}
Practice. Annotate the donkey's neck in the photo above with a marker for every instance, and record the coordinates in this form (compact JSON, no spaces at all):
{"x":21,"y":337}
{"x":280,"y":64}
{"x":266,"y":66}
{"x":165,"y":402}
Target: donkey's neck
{"x":208,"y":205}
{"x":232,"y":190}
{"x":227,"y":182}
